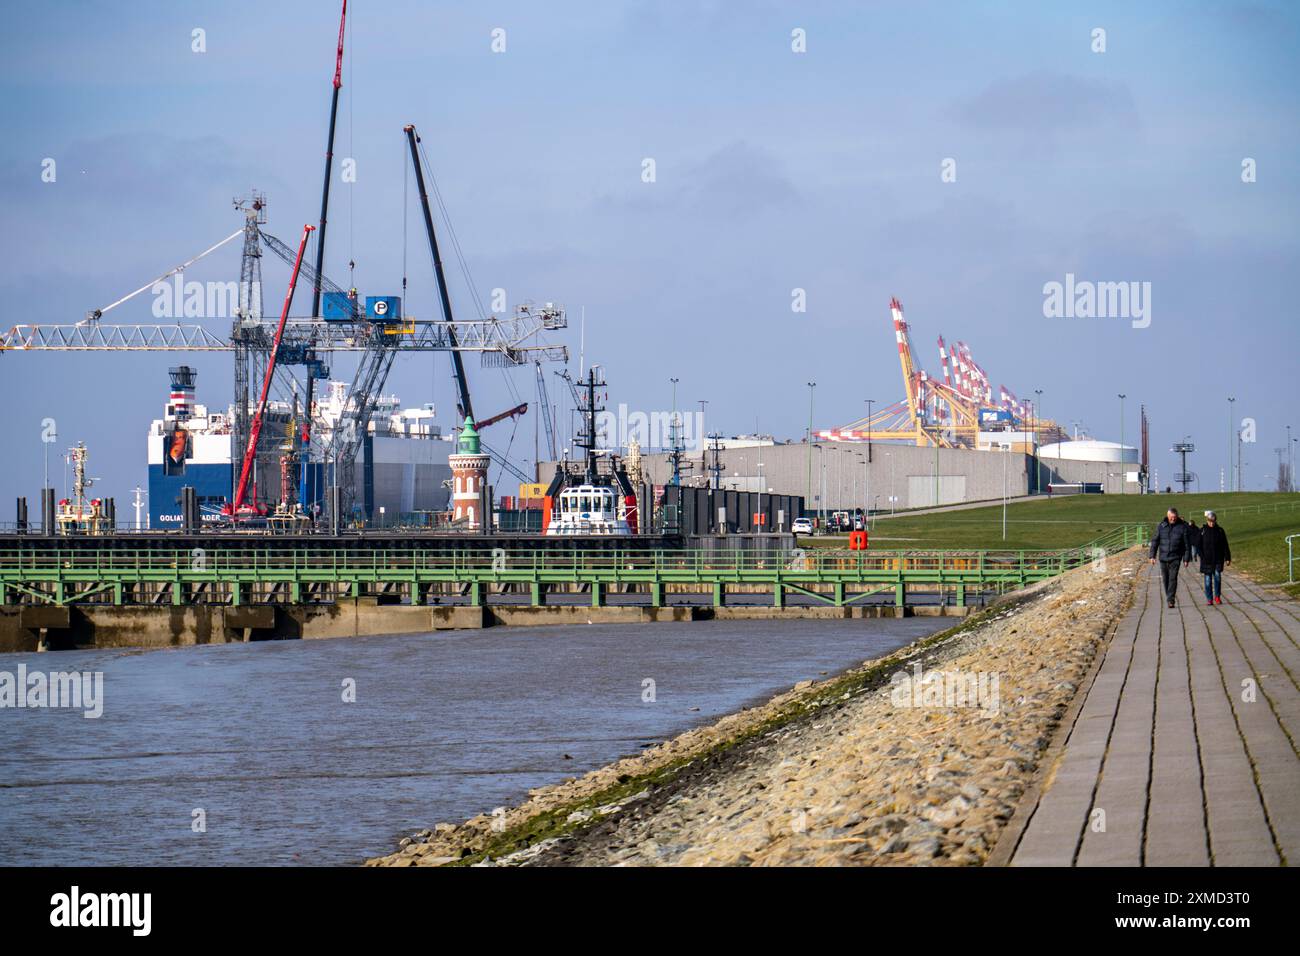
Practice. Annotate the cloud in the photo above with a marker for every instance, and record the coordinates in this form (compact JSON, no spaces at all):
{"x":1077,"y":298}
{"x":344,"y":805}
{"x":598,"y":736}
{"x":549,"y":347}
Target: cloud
{"x":737,"y":182}
{"x":1043,"y":102}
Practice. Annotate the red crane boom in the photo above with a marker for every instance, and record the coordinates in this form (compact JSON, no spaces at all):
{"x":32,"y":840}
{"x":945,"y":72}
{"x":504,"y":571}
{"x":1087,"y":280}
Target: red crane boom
{"x":512,"y":413}
{"x":237,"y":508}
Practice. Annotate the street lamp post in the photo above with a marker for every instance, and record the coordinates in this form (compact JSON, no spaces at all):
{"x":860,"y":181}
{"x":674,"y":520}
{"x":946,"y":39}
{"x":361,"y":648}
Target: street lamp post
{"x":839,"y":472}
{"x":821,"y":456}
{"x":1038,"y":417}
{"x":853,"y":480}
{"x":1293,"y":440}
{"x":704,"y":448}
{"x":1290,"y":459}
{"x":866,"y":494}
{"x":1006,"y":453}
{"x":808,"y":487}
{"x":1290,"y":475}
{"x":1231,"y":417}
{"x":1122,"y":481}
{"x":870,"y":402}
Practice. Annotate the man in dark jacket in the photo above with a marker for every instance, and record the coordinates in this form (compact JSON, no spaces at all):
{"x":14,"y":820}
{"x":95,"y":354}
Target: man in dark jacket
{"x":1215,"y":555}
{"x":1171,"y":543}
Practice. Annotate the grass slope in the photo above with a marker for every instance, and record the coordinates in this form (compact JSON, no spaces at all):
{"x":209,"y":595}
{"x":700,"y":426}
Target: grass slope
{"x":1257,"y":524}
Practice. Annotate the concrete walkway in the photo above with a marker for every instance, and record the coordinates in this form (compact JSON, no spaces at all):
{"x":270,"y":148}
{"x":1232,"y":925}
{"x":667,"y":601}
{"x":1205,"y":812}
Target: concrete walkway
{"x":1167,"y":758}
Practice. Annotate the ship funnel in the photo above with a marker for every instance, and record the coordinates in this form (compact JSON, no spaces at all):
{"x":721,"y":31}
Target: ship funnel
{"x":180,"y":403}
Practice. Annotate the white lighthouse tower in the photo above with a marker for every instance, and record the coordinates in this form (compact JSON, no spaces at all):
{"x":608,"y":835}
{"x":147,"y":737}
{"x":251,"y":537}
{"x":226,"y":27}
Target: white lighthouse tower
{"x":468,"y":474}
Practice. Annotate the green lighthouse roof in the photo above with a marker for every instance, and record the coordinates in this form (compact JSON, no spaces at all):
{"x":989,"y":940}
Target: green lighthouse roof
{"x":468,"y":443}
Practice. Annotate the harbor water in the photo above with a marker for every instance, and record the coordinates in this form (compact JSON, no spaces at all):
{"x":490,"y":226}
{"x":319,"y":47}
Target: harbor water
{"x":327,"y":752}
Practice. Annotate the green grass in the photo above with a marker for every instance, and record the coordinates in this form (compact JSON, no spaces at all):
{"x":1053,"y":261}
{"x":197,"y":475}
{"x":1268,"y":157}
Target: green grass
{"x":1257,"y":524}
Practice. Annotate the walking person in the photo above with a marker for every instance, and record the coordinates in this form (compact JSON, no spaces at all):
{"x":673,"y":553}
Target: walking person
{"x":1194,"y":537}
{"x":1171,"y":543}
{"x":1215,"y":556}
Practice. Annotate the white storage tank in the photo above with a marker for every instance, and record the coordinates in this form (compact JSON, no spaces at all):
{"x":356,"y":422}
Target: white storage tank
{"x":1089,"y":449}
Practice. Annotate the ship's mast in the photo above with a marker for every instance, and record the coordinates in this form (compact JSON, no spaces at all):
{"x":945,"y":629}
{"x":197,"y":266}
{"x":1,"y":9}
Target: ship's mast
{"x":587,"y":440}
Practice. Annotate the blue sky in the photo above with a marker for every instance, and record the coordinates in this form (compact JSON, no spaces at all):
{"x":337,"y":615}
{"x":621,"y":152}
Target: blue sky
{"x":775,"y":171}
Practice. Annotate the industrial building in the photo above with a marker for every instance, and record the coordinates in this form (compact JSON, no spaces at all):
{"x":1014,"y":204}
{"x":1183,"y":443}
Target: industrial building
{"x":891,"y":476}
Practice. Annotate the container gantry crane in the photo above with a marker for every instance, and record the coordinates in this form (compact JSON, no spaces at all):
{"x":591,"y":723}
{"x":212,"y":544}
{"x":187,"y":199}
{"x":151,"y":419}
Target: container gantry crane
{"x":934,"y":413}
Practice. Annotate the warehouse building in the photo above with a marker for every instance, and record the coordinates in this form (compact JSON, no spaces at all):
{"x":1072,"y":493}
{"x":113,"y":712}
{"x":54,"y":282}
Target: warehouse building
{"x":846,"y":476}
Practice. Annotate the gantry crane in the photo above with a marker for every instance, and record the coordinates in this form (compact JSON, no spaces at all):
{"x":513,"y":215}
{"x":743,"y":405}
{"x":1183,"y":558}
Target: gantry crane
{"x":944,"y":414}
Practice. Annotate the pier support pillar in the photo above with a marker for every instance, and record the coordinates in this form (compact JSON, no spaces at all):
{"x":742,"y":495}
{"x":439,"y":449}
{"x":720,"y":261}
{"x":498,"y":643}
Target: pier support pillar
{"x":719,"y":593}
{"x":295,"y":592}
{"x":900,"y":594}
{"x":535,"y":593}
{"x":597,"y":594}
{"x":236,"y":594}
{"x":177,"y":593}
{"x":839,"y":593}
{"x":475,"y":594}
{"x":778,"y":594}
{"x":117,"y":594}
{"x":656,"y":593}
{"x":961,"y":595}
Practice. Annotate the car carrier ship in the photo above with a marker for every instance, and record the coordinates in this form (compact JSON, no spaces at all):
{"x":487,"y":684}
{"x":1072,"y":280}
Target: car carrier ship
{"x":402,"y":472}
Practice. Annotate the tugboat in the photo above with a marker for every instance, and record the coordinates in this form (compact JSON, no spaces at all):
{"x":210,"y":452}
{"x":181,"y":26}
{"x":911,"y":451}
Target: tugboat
{"x":586,"y":500}
{"x":77,"y":515}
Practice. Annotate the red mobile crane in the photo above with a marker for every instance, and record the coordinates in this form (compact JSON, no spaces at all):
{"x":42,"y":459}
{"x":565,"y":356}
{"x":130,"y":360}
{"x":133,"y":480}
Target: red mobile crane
{"x":238,"y":509}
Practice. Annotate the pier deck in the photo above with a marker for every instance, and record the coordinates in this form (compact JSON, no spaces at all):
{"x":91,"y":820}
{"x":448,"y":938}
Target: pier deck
{"x":1183,"y":750}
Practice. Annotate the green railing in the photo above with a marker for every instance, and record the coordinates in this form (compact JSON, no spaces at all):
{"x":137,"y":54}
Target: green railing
{"x":62,"y":576}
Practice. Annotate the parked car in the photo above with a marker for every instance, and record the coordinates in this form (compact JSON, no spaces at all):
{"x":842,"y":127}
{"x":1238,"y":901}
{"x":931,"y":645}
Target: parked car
{"x":802,"y":526}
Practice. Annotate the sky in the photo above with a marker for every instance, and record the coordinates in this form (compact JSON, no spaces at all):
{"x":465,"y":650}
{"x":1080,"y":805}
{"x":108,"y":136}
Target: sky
{"x":774,"y":171}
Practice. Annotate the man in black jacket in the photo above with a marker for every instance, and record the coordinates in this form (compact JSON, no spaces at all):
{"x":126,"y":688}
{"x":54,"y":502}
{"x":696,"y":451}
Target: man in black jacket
{"x":1215,"y":555}
{"x":1171,"y":543}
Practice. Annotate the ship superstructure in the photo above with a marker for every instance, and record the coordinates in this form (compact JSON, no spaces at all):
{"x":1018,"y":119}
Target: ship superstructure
{"x":402,"y":459}
{"x":587,"y":499}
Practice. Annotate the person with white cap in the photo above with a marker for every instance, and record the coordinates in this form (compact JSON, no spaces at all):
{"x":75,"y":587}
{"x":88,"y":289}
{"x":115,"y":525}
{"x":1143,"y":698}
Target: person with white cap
{"x":1215,"y":556}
